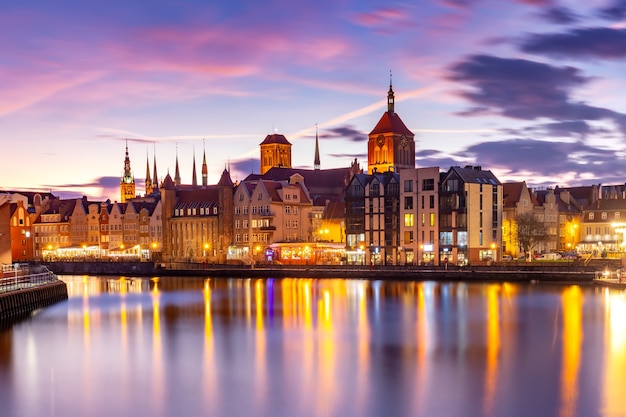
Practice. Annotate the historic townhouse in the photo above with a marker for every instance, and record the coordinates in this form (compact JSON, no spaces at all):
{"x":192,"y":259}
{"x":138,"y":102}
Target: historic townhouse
{"x":517,"y":199}
{"x":116,"y":229}
{"x":470,"y":210}
{"x":197,"y":220}
{"x":604,"y":228}
{"x":271,"y":220}
{"x":52,"y":230}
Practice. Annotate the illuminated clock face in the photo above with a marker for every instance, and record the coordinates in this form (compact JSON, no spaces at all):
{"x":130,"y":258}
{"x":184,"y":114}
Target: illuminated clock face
{"x":380,"y":140}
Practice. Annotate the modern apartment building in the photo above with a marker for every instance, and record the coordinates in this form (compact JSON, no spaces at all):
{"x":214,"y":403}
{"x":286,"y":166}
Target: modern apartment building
{"x":470,"y":216}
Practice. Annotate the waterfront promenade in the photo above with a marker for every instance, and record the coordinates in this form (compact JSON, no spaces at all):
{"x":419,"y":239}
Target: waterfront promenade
{"x":520,"y":272}
{"x":24,"y":289}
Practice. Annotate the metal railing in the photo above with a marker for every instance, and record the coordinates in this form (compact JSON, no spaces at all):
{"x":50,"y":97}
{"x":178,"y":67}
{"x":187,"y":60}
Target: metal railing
{"x":20,"y":276}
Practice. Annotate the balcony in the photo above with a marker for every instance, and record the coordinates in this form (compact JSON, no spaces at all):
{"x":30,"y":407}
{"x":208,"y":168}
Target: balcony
{"x":267,"y":228}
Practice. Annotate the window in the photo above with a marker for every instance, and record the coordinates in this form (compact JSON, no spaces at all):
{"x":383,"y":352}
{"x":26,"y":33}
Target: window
{"x":591,"y":216}
{"x":604,"y":216}
{"x":409,"y":220}
{"x":445,"y":238}
{"x":617,"y":214}
{"x":431,"y":203}
{"x":241,"y":197}
{"x":295,"y":209}
{"x":428,"y":184}
{"x":295,"y":196}
{"x":408,"y":186}
{"x":294,"y":224}
{"x":432,"y":219}
{"x":259,"y":196}
{"x":408,"y":203}
{"x":287,"y":209}
{"x":375,"y":189}
{"x":288,"y":197}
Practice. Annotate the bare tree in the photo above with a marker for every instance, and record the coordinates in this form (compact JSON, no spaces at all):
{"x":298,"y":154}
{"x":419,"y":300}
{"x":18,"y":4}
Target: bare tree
{"x":530,"y":232}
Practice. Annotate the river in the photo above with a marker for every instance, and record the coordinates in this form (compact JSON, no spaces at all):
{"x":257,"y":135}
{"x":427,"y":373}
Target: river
{"x":177,"y":346}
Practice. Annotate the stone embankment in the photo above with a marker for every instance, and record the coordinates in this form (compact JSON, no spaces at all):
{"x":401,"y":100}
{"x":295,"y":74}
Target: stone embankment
{"x":504,"y":272}
{"x":21,"y":302}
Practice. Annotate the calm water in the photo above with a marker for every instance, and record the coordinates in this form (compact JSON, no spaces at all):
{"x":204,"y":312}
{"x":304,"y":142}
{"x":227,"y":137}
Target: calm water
{"x":296,"y":347}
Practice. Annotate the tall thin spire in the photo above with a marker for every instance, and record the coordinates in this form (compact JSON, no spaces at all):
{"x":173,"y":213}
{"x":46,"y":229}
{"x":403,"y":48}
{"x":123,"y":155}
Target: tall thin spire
{"x":155,"y":179}
{"x":205,"y":168}
{"x":390,"y":98}
{"x":149,"y":186}
{"x":194,"y":178}
{"x":177,"y":171}
{"x":316,"y":160}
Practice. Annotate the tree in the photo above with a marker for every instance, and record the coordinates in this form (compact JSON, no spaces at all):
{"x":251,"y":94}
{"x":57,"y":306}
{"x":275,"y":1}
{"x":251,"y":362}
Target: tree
{"x":530,"y":231}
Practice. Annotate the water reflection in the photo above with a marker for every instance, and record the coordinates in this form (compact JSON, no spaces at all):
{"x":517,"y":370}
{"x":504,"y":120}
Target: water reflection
{"x":230,"y":347}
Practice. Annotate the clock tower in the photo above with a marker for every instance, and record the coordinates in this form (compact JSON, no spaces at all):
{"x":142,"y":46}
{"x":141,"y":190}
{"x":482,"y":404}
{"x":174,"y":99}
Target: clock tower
{"x":391,"y":145}
{"x":127,"y":181}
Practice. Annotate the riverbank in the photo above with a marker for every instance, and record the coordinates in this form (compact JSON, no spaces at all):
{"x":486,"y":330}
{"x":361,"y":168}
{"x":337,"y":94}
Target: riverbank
{"x":512,"y":272}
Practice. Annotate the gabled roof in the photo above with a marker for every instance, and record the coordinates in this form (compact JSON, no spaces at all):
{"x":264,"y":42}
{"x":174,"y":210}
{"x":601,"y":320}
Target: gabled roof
{"x":511,"y":193}
{"x":390,"y":122}
{"x":585,"y":195}
{"x":335,"y":210}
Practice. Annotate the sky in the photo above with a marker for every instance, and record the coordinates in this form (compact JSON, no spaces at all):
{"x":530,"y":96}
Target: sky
{"x":529,"y":89}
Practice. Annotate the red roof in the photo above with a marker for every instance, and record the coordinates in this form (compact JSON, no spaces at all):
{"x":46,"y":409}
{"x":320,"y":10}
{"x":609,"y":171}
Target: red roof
{"x":275,"y":138}
{"x":391,"y":122}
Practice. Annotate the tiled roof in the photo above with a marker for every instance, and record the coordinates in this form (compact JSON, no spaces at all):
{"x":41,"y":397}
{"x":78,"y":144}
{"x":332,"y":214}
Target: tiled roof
{"x":391,"y":122}
{"x":275,"y":138}
{"x":511,"y":192}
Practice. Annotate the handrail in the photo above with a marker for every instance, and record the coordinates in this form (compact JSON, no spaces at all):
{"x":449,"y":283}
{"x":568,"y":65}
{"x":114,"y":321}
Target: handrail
{"x":19,"y":277}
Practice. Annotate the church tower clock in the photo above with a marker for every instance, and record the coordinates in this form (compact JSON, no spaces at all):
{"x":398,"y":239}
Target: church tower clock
{"x":127,"y":182}
{"x":391,"y":145}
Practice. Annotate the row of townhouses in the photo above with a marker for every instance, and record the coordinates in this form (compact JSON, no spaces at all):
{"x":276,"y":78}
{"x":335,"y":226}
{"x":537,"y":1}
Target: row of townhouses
{"x":393,"y":213}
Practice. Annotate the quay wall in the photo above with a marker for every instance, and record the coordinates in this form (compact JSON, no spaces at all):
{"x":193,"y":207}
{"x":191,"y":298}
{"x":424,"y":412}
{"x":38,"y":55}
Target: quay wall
{"x":19,"y":303}
{"x":512,"y":272}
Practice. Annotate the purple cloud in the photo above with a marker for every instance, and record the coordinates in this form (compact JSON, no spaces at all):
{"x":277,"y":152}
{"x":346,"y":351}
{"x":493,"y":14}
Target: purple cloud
{"x":345,"y":132}
{"x":616,"y":11}
{"x":560,"y":15}
{"x":528,"y":90}
{"x":556,"y":159}
{"x":605,"y":43}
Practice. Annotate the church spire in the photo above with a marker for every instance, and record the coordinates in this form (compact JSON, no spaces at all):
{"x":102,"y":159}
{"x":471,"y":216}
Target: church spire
{"x":316,"y":160}
{"x":155,"y":179}
{"x":177,"y":171}
{"x":390,"y":98}
{"x":127,"y":182}
{"x":205,"y":169}
{"x":149,"y":186}
{"x":194,"y":178}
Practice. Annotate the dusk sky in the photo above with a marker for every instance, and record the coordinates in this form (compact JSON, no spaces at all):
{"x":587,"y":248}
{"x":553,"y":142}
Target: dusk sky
{"x":530,"y":89}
